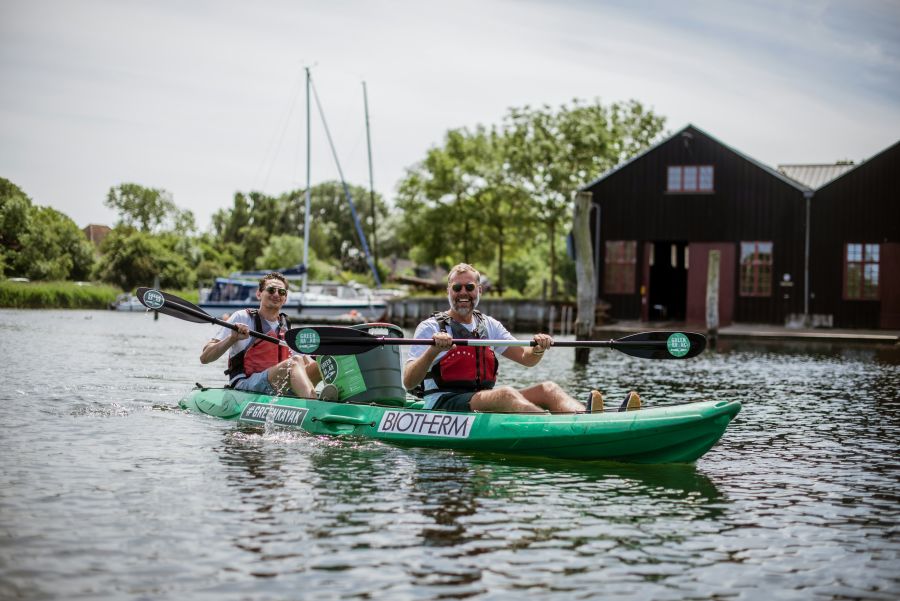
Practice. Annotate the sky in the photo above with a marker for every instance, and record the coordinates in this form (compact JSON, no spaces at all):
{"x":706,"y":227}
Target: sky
{"x":206,"y":98}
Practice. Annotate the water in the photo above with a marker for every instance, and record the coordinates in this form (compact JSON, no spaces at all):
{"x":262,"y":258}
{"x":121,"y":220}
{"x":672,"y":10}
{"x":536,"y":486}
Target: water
{"x":107,"y":491}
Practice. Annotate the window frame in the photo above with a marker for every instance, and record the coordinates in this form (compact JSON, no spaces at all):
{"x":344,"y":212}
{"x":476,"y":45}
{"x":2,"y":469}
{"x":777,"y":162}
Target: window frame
{"x":697,"y":171}
{"x":864,"y":261}
{"x":756,"y":265}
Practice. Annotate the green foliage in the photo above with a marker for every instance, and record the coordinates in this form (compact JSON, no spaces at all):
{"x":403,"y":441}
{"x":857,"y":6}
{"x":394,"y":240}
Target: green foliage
{"x":53,"y":248}
{"x":39,"y":242}
{"x":484,"y":191}
{"x":133,"y":258}
{"x":255,"y":219}
{"x":15,"y":221}
{"x":280,"y":252}
{"x":148,"y":209}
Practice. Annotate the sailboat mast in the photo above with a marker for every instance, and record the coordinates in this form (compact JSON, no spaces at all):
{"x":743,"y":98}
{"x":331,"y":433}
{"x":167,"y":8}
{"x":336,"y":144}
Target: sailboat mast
{"x":308,"y":188}
{"x":371,"y":180}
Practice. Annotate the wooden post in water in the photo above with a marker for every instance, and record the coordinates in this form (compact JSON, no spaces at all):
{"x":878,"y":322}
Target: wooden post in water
{"x":584,"y":271}
{"x":156,"y":287}
{"x":712,"y":297}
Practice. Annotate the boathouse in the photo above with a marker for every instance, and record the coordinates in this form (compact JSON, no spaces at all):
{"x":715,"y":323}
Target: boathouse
{"x":812,"y":250}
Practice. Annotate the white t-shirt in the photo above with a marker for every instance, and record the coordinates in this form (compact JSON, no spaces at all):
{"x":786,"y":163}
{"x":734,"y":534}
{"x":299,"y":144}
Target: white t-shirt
{"x":244,"y":317}
{"x":494,"y":330}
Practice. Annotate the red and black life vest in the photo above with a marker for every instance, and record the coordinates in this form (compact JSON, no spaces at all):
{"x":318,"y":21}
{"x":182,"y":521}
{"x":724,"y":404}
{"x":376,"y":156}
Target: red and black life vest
{"x":259,"y":355}
{"x":464,"y":368}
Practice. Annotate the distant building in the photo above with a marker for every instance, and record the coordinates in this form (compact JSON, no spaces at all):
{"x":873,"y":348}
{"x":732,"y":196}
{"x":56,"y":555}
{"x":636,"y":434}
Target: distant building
{"x":96,"y":233}
{"x":816,"y":244}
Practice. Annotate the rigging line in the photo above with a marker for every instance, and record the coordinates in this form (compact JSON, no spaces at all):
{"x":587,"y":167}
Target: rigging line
{"x":284,"y":127}
{"x":359,"y":230}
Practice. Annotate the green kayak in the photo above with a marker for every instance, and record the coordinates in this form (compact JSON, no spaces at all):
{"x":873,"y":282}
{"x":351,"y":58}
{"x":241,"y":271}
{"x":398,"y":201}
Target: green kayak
{"x":680,"y":433}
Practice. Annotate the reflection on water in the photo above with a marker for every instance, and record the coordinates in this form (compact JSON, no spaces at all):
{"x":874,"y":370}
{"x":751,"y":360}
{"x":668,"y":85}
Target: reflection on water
{"x":108,"y":492}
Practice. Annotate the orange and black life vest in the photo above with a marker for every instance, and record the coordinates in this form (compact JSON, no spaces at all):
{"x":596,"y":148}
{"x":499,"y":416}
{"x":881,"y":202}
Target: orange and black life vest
{"x":259,"y":355}
{"x":464,"y":368}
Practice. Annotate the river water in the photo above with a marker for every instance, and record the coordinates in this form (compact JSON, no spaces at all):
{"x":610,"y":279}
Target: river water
{"x":108,"y":491}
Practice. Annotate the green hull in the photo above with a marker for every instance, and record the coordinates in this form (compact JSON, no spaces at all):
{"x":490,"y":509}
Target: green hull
{"x":681,"y":433}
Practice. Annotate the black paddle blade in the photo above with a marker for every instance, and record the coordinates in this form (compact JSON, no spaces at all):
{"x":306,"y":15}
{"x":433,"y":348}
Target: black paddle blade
{"x":169,"y":304}
{"x":330,"y":340}
{"x":661,"y":345}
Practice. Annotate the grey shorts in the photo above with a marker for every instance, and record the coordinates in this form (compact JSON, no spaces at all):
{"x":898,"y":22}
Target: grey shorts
{"x":258,"y":382}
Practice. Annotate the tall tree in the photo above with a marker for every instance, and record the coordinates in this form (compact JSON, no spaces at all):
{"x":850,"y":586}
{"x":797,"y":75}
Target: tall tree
{"x":148,"y":209}
{"x":554,"y":153}
{"x":443,"y":221}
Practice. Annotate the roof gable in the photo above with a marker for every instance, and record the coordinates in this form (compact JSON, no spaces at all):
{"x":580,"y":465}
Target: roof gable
{"x":692,"y":129}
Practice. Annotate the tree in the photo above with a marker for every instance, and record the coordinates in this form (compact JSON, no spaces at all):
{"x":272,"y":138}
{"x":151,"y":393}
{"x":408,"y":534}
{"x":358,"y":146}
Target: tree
{"x":148,"y":209}
{"x":53,"y":248}
{"x":281,"y":251}
{"x":443,"y":222}
{"x":134,"y":258}
{"x":15,"y":216}
{"x":554,"y":153}
{"x":39,"y":242}
{"x":256,"y":218}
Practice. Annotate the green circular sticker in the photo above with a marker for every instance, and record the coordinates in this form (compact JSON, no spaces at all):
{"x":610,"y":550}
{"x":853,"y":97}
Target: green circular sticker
{"x":307,"y":341}
{"x":154,"y":299}
{"x":678,"y":345}
{"x":329,"y":369}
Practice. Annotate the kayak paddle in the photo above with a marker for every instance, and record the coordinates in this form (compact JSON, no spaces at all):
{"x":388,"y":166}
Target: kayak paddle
{"x":337,"y":340}
{"x":170,"y":304}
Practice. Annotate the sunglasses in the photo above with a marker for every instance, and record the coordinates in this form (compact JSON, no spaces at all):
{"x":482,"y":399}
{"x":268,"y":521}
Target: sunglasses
{"x":274,"y":289}
{"x":457,"y":287}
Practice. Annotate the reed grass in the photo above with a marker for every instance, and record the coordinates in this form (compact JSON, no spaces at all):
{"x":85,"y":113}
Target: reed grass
{"x":56,"y":295}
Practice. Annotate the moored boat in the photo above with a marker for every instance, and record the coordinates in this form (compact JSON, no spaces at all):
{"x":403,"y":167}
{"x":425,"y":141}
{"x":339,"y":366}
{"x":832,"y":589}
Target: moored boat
{"x":321,"y":302}
{"x":127,"y":302}
{"x":674,"y":434}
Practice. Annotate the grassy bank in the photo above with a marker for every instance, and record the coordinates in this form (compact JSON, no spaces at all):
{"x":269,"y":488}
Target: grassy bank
{"x":64,"y":295}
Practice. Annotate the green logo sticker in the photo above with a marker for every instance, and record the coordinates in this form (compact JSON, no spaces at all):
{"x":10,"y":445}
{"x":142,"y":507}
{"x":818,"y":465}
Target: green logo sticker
{"x":307,"y":341}
{"x":678,"y":345}
{"x":329,"y":368}
{"x":154,"y":299}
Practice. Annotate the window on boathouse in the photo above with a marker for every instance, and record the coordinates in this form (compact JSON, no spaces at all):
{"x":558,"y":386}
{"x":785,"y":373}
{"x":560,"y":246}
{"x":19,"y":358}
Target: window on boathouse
{"x":861,"y":267}
{"x":619,"y":267}
{"x":756,"y":269}
{"x":690,"y":178}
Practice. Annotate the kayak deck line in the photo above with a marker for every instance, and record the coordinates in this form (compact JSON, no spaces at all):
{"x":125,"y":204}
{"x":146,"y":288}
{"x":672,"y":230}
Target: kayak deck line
{"x":661,"y":434}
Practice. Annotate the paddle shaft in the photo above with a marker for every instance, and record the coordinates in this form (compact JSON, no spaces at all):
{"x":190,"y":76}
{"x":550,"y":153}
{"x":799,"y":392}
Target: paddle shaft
{"x":382,"y":340}
{"x":206,"y":316}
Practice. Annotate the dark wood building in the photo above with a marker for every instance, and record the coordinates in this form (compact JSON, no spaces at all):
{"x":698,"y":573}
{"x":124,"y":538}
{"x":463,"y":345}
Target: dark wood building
{"x":855,"y":245}
{"x":787,"y":253}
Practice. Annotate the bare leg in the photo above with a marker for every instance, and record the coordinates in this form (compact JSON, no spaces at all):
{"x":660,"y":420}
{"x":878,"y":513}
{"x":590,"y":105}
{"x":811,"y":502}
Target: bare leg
{"x":504,"y":399}
{"x":292,"y":371}
{"x":312,"y":370}
{"x":551,"y":397}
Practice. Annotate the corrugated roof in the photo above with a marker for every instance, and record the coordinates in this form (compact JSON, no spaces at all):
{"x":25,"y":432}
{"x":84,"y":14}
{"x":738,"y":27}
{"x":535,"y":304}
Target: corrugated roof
{"x":816,"y":176}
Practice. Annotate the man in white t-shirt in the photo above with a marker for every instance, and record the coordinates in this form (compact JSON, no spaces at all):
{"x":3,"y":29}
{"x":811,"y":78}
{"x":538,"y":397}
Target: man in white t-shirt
{"x":258,"y":365}
{"x":461,"y":378}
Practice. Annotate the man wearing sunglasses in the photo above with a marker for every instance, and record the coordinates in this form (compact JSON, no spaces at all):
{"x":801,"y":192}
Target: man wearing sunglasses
{"x":258,"y":365}
{"x":461,"y":378}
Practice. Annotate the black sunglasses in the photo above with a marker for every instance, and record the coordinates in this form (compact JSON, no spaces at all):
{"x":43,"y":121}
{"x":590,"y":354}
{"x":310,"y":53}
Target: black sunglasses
{"x":457,"y":287}
{"x":273,"y":290}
